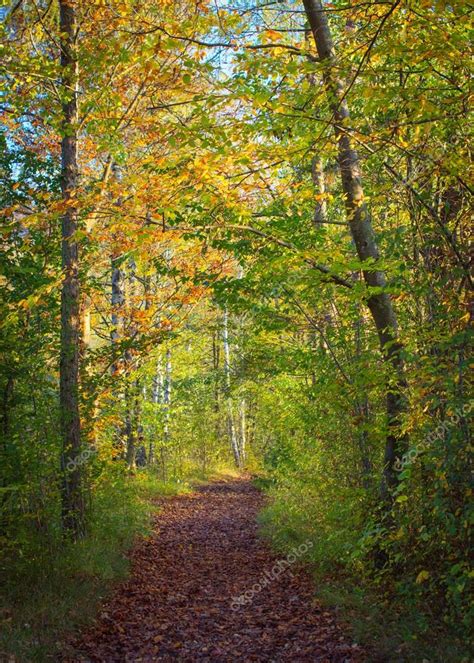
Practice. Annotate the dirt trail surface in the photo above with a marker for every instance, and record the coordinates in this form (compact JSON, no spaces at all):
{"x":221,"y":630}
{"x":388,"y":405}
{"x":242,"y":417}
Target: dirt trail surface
{"x":193,"y":594}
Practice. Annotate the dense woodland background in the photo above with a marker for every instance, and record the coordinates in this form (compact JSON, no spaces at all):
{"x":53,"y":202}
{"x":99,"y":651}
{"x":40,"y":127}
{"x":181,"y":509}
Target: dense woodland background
{"x":235,"y":234}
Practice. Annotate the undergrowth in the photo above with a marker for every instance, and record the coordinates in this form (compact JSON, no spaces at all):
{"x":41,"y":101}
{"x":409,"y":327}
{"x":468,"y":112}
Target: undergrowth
{"x":52,"y":589}
{"x":393,"y":626}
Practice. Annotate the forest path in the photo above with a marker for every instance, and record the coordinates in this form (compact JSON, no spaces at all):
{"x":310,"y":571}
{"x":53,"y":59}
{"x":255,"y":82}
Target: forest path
{"x":181,"y":601}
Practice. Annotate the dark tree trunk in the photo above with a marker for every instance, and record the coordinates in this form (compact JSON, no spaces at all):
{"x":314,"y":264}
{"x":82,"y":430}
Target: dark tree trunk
{"x":7,"y":396}
{"x":360,"y":223}
{"x":72,"y":495}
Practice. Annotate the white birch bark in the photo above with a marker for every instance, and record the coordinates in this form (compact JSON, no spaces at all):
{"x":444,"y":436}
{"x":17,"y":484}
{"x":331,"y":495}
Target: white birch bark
{"x":227,"y":368}
{"x":243,"y":431}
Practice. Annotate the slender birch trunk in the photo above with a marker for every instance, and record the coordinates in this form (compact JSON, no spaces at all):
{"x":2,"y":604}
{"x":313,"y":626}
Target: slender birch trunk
{"x":129,"y":433}
{"x":73,"y":518}
{"x":116,"y":335}
{"x":140,"y":394}
{"x":140,"y":391}
{"x":166,"y":411}
{"x":157,"y":399}
{"x":167,"y":396}
{"x":157,"y":389}
{"x":217,"y":382}
{"x":230,"y":415}
{"x":118,"y":302}
{"x":317,"y":172}
{"x":360,"y":224}
{"x":243,"y":431}
{"x":117,"y":331}
{"x":129,"y":393}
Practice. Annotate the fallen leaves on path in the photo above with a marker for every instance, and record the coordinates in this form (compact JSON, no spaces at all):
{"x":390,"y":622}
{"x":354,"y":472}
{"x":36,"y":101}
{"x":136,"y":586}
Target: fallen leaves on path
{"x":181,"y":601}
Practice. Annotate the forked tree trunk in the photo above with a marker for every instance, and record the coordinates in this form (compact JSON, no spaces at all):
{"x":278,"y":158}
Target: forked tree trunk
{"x":360,"y":224}
{"x":71,"y":494}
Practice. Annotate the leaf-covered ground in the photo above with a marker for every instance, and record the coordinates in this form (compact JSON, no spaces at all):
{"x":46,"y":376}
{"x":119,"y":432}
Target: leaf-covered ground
{"x":204,"y":587}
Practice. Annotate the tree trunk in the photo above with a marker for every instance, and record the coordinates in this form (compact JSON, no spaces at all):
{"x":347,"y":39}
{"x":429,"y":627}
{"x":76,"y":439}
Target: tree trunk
{"x":360,"y":224}
{"x":129,"y":394}
{"x":7,"y":397}
{"x":140,"y":395}
{"x":130,"y":438}
{"x":166,"y":387}
{"x":167,"y":396}
{"x":118,"y":302}
{"x":243,"y":431}
{"x":72,"y":496}
{"x":320,"y":210}
{"x":156,"y":398}
{"x":116,"y":335}
{"x":230,"y":415}
{"x":217,"y":383}
{"x":362,"y":406}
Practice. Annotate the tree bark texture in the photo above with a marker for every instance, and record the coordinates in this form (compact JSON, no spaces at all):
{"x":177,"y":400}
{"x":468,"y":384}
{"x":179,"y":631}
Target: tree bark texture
{"x":72,"y":470}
